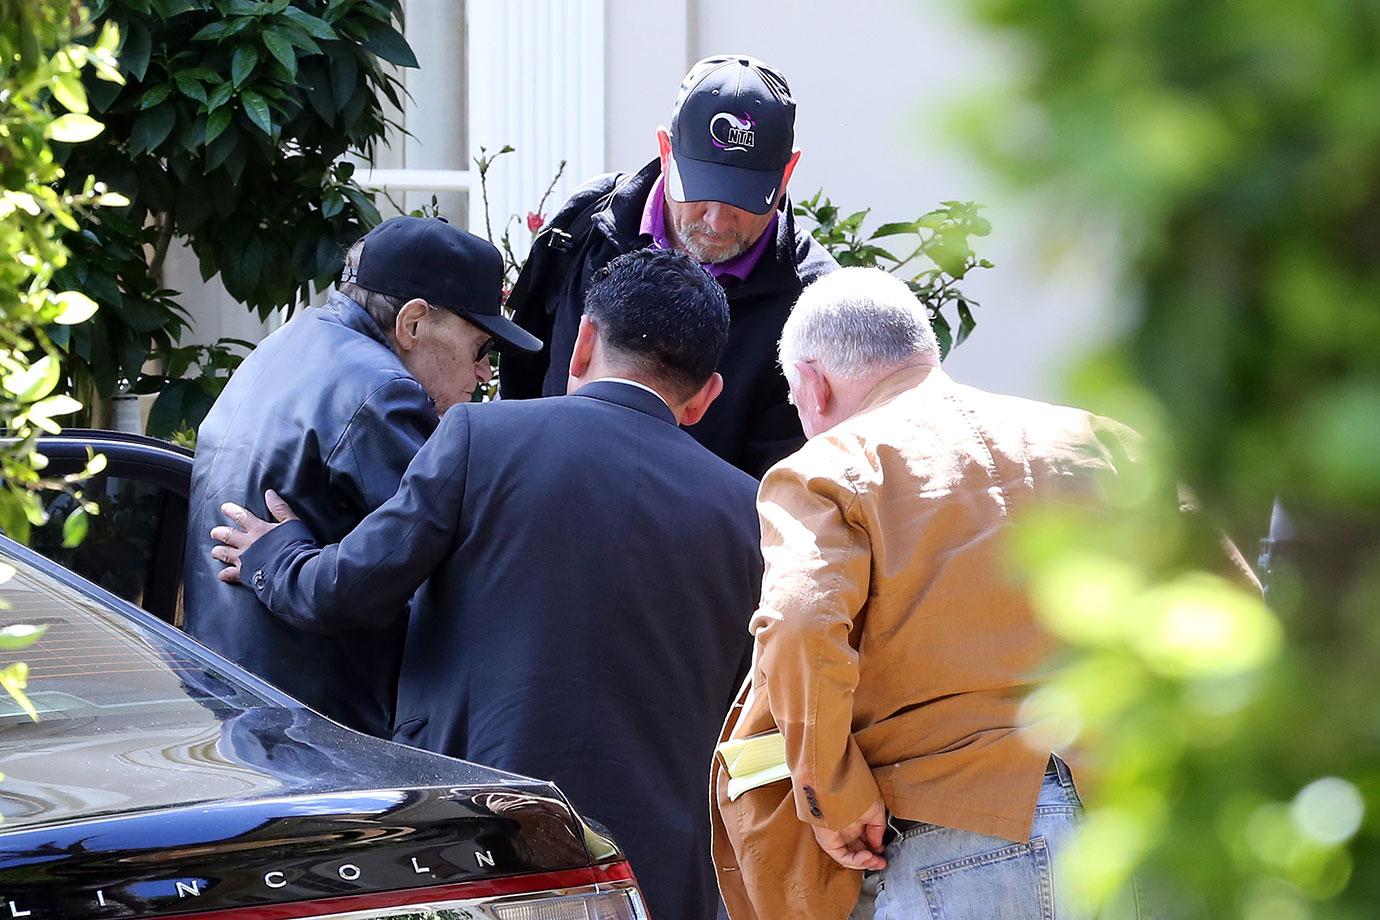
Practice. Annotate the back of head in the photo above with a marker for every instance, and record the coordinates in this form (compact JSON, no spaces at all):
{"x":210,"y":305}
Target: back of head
{"x":858,"y":323}
{"x":662,"y":317}
{"x":383,"y":308}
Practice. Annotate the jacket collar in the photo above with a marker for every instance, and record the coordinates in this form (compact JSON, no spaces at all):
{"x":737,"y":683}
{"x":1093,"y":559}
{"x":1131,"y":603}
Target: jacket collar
{"x":351,"y":315}
{"x":621,"y":222}
{"x":629,"y":397}
{"x":898,"y":382}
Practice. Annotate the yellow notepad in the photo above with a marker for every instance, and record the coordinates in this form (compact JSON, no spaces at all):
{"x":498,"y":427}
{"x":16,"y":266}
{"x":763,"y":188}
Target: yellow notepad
{"x":753,"y":762}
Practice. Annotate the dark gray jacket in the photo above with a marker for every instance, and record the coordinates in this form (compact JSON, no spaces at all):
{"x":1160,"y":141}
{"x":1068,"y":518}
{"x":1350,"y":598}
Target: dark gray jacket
{"x":323,"y":412}
{"x":751,"y":425}
{"x":592,"y":572}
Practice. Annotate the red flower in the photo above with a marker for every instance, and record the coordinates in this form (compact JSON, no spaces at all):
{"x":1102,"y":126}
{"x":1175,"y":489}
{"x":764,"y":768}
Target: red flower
{"x":534,"y":221}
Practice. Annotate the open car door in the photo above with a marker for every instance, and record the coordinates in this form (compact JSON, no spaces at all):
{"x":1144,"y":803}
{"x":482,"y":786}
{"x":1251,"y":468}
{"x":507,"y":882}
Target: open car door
{"x":134,"y":545}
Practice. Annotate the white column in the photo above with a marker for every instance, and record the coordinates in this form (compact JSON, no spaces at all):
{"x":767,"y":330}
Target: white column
{"x":536,"y":83}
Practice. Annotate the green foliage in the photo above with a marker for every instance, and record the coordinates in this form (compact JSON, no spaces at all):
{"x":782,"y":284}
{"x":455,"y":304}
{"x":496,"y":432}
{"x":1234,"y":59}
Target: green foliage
{"x":227,"y":133}
{"x":184,"y":400}
{"x":1238,"y":144}
{"x":39,"y":63}
{"x":940,"y":237}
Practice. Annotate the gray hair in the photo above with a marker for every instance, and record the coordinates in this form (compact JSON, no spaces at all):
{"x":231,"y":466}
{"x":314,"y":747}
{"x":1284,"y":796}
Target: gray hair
{"x":382,"y":308}
{"x":855,"y":322}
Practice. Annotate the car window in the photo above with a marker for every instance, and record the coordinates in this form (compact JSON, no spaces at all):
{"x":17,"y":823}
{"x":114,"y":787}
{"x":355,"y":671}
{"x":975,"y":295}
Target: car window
{"x":118,"y":551}
{"x":93,"y":661}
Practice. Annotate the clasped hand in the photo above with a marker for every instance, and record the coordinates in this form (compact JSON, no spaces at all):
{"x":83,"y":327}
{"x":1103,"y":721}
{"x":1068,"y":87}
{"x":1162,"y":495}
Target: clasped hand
{"x":859,"y":845}
{"x":231,"y":542}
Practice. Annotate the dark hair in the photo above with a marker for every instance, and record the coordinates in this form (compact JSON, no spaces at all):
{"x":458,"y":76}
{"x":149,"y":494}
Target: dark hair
{"x":663,"y":314}
{"x":383,"y":308}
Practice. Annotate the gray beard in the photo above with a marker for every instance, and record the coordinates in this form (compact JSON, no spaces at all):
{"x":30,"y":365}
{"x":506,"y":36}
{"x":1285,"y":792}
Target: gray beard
{"x":719,"y":251}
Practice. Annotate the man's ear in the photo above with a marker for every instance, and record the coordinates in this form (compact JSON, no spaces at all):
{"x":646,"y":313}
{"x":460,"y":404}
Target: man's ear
{"x":583,"y":353}
{"x":406,"y":322}
{"x":786,"y":176}
{"x":663,"y":142}
{"x":815,"y":385}
{"x":699,"y":404}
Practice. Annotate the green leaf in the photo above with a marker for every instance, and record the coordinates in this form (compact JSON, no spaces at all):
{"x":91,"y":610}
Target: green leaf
{"x":34,"y":382}
{"x":152,"y":128}
{"x":389,"y":44}
{"x":75,"y":527}
{"x":217,"y":122}
{"x":344,"y":74}
{"x":73,"y":128}
{"x":67,"y":89}
{"x":301,"y":39}
{"x":257,"y":110}
{"x":171,"y":8}
{"x":898,"y":228}
{"x":282,"y":49}
{"x":313,"y":26}
{"x":966,"y":322}
{"x":190,"y":86}
{"x":331,"y":204}
{"x":242,"y":64}
{"x":135,"y":50}
{"x":54,"y":405}
{"x":76,"y":307}
{"x":20,"y":635}
{"x":219,"y":96}
{"x":368,"y":212}
{"x":154,"y":95}
{"x":220,"y":150}
{"x":942,"y":333}
{"x":213,"y":32}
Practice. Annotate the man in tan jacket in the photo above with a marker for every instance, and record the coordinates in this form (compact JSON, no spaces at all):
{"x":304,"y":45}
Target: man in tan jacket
{"x":892,"y":649}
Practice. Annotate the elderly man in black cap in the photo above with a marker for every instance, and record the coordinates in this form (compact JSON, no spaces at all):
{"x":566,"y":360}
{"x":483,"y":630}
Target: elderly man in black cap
{"x":330,"y":410}
{"x":717,"y":193}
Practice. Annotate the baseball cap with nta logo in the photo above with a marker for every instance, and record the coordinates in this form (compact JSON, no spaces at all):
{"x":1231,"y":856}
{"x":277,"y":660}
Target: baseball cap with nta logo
{"x":732,"y":132}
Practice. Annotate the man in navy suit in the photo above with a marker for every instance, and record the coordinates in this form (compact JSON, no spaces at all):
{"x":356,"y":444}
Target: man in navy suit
{"x":590,"y":570}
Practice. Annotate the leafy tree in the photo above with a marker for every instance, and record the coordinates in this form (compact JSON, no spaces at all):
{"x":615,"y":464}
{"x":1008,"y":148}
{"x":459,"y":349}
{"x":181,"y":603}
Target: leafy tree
{"x":40,"y":63}
{"x":228,"y":132}
{"x":1238,"y":144}
{"x":940,"y":237}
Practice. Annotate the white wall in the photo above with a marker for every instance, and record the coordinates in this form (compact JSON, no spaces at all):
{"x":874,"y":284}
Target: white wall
{"x":872,"y":81}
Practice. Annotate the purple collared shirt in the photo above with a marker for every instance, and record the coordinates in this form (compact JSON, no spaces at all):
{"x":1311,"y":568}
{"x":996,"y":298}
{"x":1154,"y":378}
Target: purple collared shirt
{"x":738,"y":267}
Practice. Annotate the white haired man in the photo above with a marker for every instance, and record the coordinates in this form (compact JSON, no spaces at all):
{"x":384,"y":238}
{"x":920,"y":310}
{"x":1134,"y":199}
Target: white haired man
{"x":891,"y":646}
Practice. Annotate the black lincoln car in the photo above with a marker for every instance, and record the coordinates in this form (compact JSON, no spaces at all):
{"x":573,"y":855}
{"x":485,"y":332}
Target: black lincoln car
{"x":161,"y":780}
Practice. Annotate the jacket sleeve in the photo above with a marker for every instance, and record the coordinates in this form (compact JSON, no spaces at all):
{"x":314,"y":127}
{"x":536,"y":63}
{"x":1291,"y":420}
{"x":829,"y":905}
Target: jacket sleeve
{"x":368,"y":461}
{"x":818,"y":569}
{"x":367,"y":578}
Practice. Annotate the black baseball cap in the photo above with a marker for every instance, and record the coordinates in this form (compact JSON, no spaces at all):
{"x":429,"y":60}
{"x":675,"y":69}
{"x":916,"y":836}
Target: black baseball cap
{"x":732,"y":132}
{"x":445,"y":266}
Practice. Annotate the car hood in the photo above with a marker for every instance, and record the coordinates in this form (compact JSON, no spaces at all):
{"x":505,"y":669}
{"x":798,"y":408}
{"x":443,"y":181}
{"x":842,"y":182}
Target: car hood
{"x":178,"y":811}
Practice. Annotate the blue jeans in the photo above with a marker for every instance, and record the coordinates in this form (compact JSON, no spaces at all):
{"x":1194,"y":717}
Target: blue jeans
{"x":938,"y":873}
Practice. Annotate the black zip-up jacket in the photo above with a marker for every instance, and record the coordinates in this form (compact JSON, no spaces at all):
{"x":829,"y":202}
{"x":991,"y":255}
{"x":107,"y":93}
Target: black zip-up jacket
{"x":751,"y":424}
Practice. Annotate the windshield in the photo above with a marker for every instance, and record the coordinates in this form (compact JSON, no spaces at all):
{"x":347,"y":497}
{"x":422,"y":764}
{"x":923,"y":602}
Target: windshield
{"x":92,"y":660}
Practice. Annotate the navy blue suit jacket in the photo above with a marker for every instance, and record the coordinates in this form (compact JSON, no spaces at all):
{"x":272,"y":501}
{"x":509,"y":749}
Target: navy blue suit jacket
{"x":592,"y":570}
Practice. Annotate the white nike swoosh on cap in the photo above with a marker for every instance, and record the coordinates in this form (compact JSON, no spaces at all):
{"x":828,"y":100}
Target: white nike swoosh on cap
{"x":771,"y":196}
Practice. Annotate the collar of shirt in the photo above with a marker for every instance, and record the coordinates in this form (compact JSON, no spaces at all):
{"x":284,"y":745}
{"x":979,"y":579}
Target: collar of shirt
{"x":640,"y":386}
{"x":738,"y":267}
